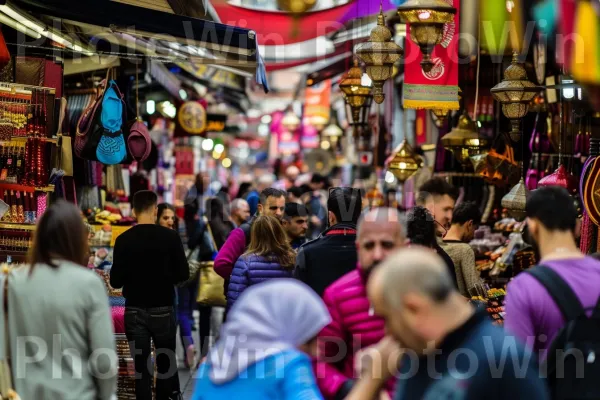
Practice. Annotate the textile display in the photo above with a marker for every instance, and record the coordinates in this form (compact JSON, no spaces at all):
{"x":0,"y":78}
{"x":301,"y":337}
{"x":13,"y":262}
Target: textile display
{"x":438,"y":88}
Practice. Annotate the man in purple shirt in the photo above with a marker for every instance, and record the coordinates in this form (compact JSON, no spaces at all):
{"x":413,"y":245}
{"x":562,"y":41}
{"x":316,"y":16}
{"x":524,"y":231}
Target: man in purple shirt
{"x":531,"y":313}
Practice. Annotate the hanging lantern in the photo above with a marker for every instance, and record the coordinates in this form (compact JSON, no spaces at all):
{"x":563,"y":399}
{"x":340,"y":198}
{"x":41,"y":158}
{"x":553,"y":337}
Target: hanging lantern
{"x":464,"y":140}
{"x":514,"y":93}
{"x":357,"y":96}
{"x":290,"y":121}
{"x":318,"y":122}
{"x":405,"y":162}
{"x":333,"y":130}
{"x":561,"y":178}
{"x":379,"y":54}
{"x":426,"y":19}
{"x":516,"y":200}
{"x":440,"y":116}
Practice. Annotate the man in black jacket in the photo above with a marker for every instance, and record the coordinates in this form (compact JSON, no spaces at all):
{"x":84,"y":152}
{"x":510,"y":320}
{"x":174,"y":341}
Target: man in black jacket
{"x":333,"y":254}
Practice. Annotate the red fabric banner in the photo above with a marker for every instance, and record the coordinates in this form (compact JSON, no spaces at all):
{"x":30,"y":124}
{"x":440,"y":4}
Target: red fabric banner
{"x":438,"y":88}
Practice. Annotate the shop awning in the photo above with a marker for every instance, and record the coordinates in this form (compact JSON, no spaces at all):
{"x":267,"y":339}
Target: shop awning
{"x":151,"y":32}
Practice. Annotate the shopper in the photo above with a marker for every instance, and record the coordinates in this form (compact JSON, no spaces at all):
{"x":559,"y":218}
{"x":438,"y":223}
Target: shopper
{"x":264,"y":349}
{"x":56,"y":303}
{"x":220,"y":228}
{"x":439,"y":197}
{"x":272,"y":202}
{"x":316,"y":203}
{"x":353,"y":326}
{"x":465,"y":220}
{"x":420,"y":230}
{"x":532,"y":313}
{"x":269,"y":256}
{"x":264,"y":182}
{"x":450,"y":351}
{"x":167,"y":216}
{"x":148,"y":261}
{"x":240,"y":212}
{"x":295,"y":223}
{"x":186,"y":294}
{"x":322,"y":261}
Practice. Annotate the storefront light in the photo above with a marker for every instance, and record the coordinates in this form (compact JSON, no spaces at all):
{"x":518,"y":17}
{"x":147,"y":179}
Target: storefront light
{"x":19,"y":27}
{"x":219,"y":148}
{"x":325,"y":145}
{"x":266,"y":119}
{"x":183,"y":94}
{"x":263,"y":130}
{"x":226,"y":162}
{"x":216,"y":155}
{"x":207,"y":144}
{"x":389,"y":177}
{"x":169,"y":109}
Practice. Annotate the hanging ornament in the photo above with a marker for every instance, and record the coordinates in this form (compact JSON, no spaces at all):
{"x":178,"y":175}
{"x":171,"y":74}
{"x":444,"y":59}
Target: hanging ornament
{"x":515,"y":92}
{"x":464,"y":140}
{"x":290,"y":121}
{"x":405,"y":162}
{"x":379,"y":54}
{"x":426,"y":19}
{"x":561,"y":178}
{"x":516,"y":200}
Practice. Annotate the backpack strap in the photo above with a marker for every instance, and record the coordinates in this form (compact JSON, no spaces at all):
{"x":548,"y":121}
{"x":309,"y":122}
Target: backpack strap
{"x":562,"y":294}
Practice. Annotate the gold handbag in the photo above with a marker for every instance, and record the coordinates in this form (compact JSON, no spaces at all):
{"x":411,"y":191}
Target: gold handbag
{"x":210,"y":290}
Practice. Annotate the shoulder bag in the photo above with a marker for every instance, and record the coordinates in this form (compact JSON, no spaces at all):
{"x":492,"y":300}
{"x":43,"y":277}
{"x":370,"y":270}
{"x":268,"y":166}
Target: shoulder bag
{"x":210,"y":290}
{"x":6,"y":385}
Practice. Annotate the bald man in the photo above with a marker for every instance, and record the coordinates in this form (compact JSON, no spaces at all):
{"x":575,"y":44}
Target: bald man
{"x":450,"y":350}
{"x":353,"y":326}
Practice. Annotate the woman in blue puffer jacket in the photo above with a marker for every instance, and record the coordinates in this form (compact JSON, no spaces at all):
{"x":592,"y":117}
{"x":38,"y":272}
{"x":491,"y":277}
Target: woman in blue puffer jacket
{"x":269,"y":256}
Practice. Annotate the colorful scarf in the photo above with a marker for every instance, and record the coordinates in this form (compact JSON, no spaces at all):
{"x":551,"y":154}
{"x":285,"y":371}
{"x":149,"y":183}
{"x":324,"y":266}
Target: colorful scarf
{"x":437,"y":89}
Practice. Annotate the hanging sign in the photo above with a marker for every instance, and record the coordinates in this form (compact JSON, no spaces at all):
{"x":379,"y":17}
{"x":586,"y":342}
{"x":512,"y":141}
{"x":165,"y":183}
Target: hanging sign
{"x":438,"y":88}
{"x":191,"y":118}
{"x":215,"y":122}
{"x":317,"y":103}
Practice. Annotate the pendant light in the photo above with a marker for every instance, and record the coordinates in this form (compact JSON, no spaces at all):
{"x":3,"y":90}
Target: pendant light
{"x":290,"y":121}
{"x":464,"y":140}
{"x":516,"y":200}
{"x":405,"y":162}
{"x":379,"y":54}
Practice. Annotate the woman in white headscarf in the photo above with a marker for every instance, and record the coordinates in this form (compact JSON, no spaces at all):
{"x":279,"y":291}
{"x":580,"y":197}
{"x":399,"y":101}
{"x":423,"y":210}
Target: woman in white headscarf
{"x":265,"y":347}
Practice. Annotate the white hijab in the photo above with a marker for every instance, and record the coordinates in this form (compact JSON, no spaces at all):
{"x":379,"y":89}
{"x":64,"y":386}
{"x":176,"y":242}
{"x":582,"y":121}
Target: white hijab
{"x":268,"y":318}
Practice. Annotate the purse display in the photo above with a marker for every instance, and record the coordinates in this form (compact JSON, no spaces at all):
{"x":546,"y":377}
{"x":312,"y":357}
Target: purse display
{"x":210,"y":290}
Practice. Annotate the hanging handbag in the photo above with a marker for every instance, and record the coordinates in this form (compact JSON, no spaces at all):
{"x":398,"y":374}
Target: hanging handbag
{"x":210,"y":291}
{"x":6,"y":385}
{"x":138,"y":143}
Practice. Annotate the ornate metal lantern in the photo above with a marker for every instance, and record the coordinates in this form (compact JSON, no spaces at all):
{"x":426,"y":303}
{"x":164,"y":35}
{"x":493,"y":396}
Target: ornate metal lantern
{"x":358,"y":97}
{"x":464,"y":140}
{"x":515,"y":92}
{"x":379,"y":54}
{"x":426,"y":19}
{"x":515,"y":200}
{"x":405,"y":162}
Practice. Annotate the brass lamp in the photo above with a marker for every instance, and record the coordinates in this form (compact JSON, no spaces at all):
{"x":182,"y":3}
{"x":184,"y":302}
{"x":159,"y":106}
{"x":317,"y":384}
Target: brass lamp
{"x":515,"y":92}
{"x":290,"y":121}
{"x":405,"y":162}
{"x":379,"y":54}
{"x":357,"y":96}
{"x":464,"y":140}
{"x":426,"y":19}
{"x":440,"y":116}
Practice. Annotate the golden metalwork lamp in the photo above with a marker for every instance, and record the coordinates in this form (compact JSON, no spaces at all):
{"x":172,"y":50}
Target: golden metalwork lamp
{"x":357,"y":96}
{"x":464,"y":140}
{"x":379,"y":54}
{"x":515,"y":92}
{"x":515,"y":201}
{"x":426,"y":19}
{"x":405,"y":162}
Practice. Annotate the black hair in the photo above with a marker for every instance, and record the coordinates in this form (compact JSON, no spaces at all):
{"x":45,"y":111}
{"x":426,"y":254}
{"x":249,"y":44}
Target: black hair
{"x":465,"y":212}
{"x":143,"y":200}
{"x":270,"y":192}
{"x":296,"y":191}
{"x":346,"y":204}
{"x":318,"y":178}
{"x":293,"y":210}
{"x":436,"y":187}
{"x":553,"y":207}
{"x":60,"y":235}
{"x":420,"y":227}
{"x":243,"y":190}
{"x":218,"y":220}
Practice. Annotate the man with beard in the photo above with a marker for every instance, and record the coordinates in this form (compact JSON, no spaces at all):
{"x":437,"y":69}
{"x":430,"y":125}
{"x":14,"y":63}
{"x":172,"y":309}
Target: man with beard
{"x":295,"y":223}
{"x":531,"y":312}
{"x":451,"y":350}
{"x":353,"y":325}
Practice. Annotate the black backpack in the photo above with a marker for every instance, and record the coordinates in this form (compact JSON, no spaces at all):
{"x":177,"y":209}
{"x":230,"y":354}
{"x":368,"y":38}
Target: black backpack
{"x":573,"y":359}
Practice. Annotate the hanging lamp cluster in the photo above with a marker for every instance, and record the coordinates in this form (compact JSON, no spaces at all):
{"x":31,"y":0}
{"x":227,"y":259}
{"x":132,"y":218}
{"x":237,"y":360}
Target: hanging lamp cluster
{"x":515,"y":92}
{"x":426,"y":19}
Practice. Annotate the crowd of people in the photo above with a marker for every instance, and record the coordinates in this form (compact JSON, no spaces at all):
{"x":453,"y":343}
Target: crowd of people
{"x":325,"y":298}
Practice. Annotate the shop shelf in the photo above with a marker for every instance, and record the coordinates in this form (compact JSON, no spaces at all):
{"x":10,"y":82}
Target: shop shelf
{"x":23,"y":227}
{"x":23,"y":139}
{"x":25,"y":188}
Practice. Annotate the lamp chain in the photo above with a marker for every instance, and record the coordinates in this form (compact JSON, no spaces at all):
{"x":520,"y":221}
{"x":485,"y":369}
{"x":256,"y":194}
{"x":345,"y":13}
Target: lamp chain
{"x":478,"y":63}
